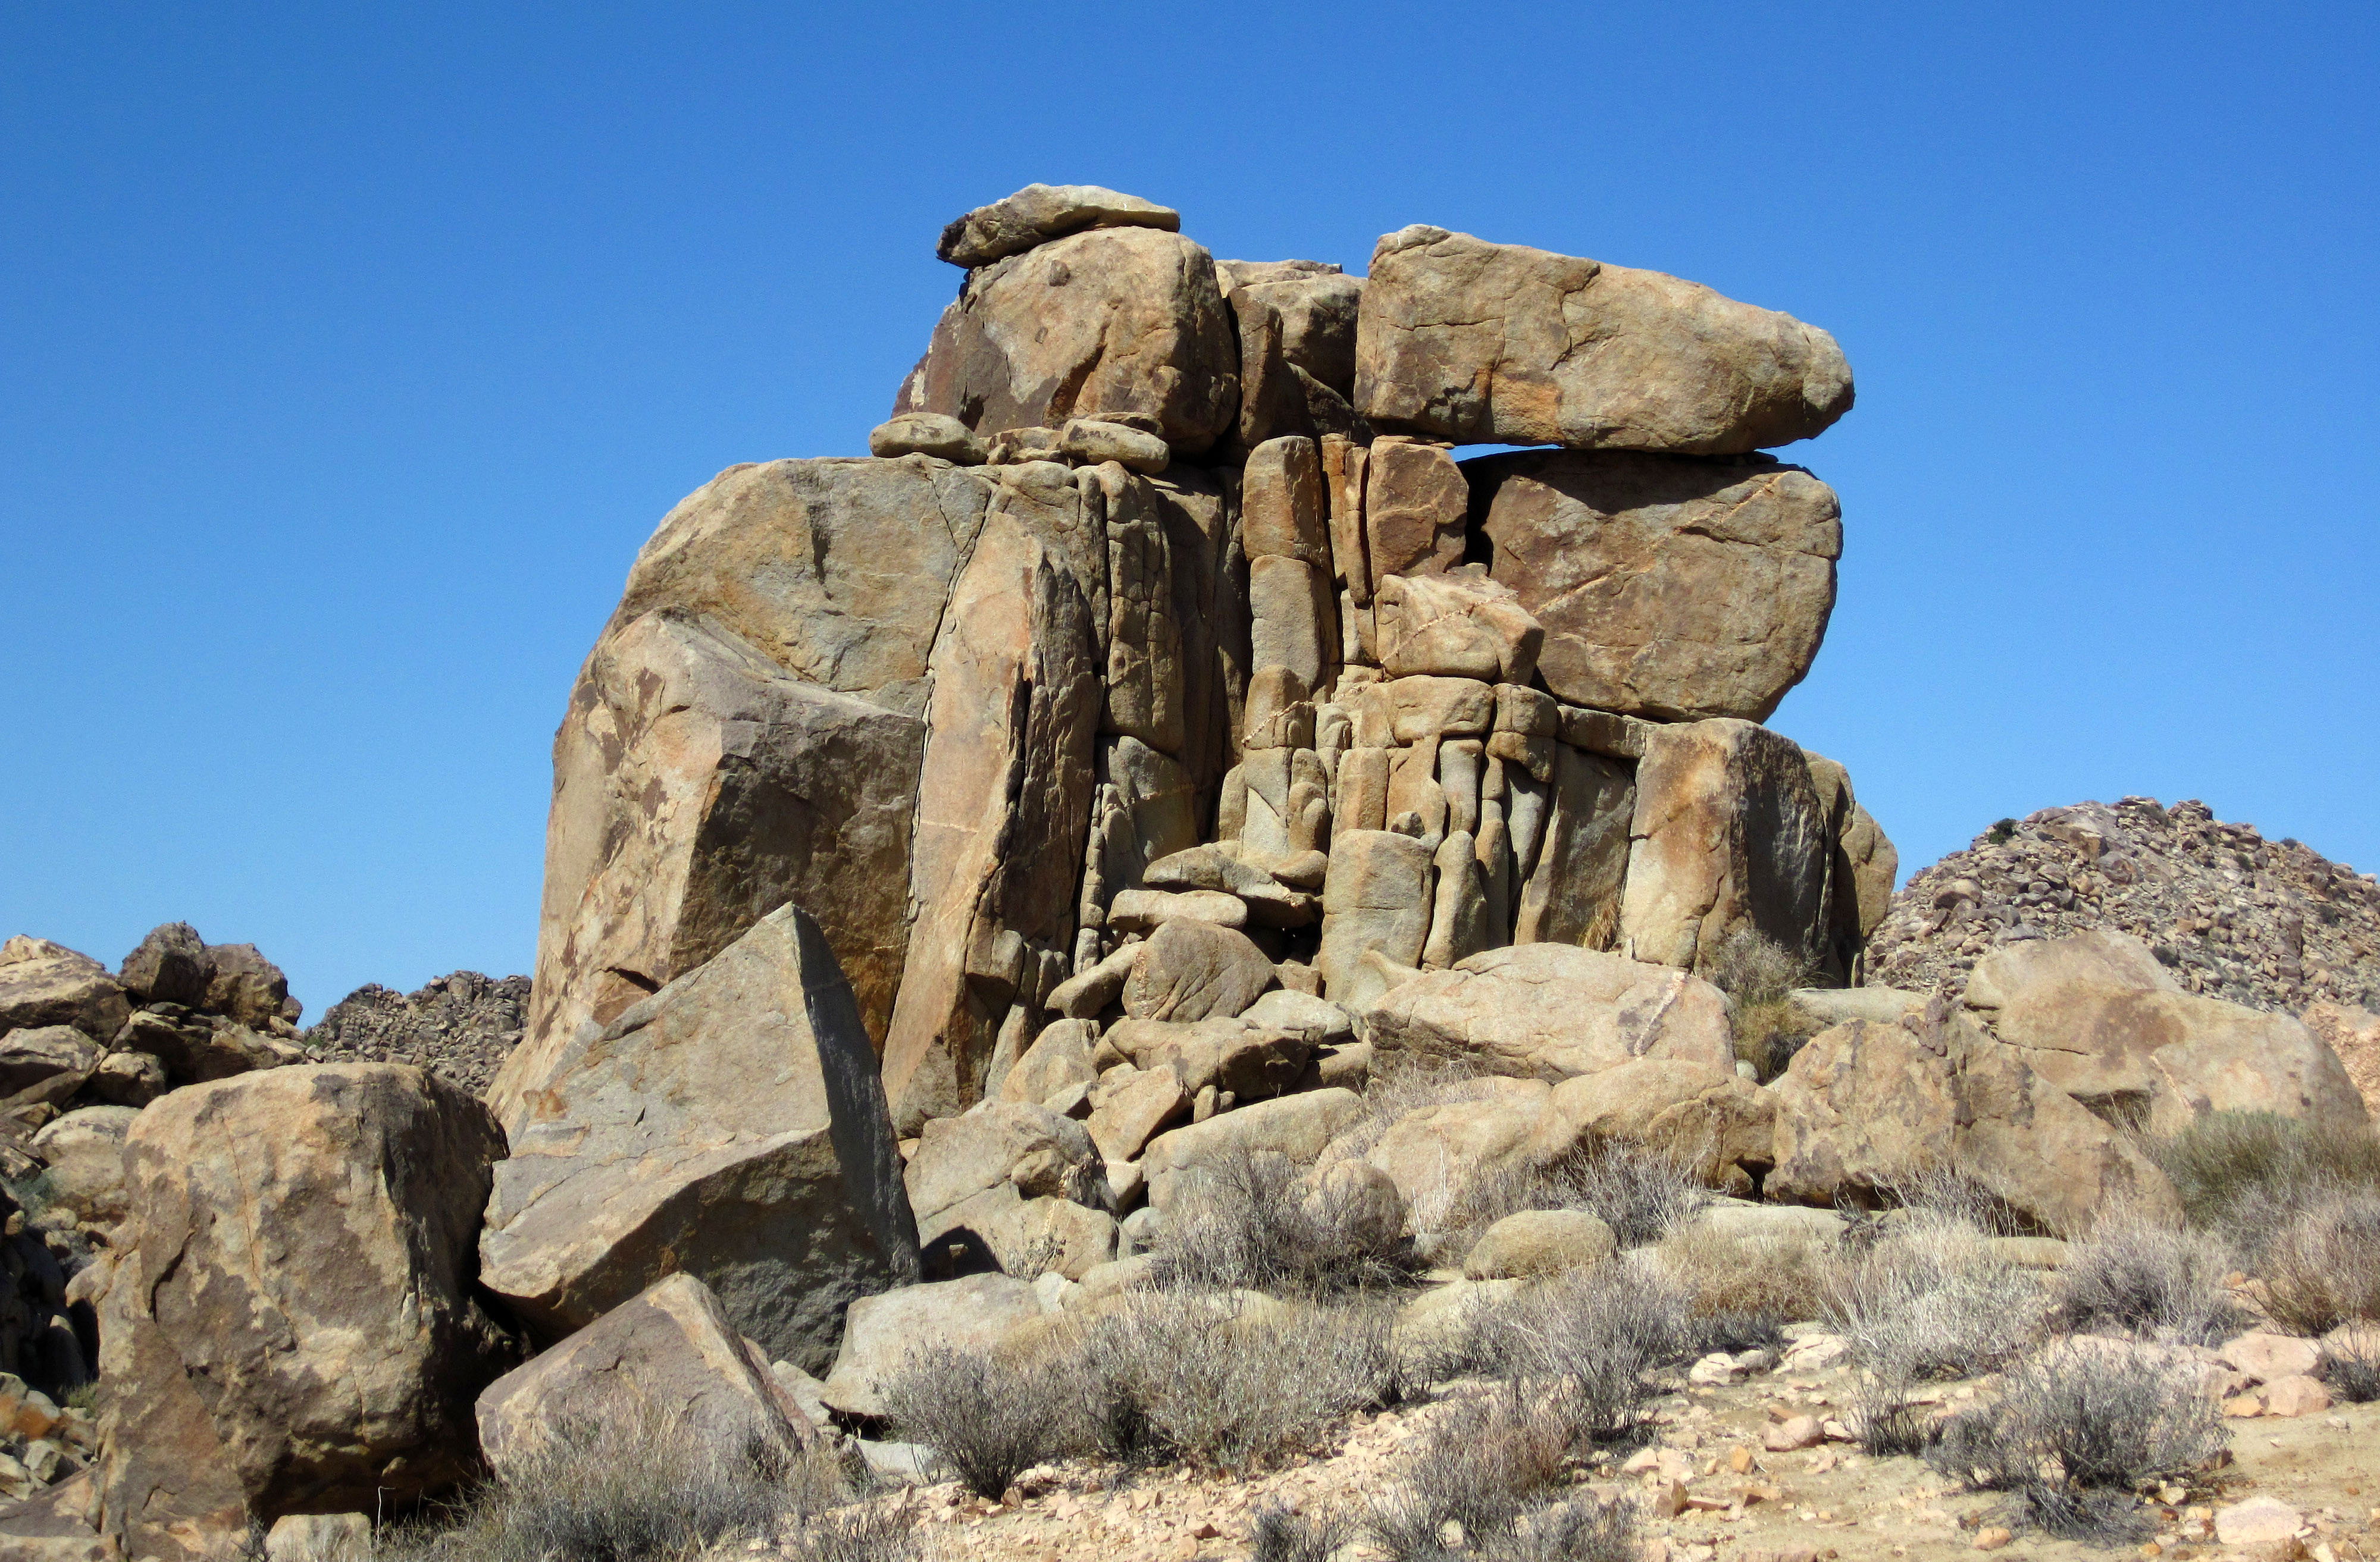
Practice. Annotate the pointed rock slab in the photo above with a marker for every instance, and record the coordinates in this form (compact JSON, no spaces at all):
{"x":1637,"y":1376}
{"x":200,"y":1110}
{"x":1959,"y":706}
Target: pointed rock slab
{"x":1003,"y":799}
{"x":669,"y":1353}
{"x":1040,"y":213}
{"x":1553,"y":1011}
{"x":1728,"y":833}
{"x":1115,"y":321}
{"x":696,"y":788}
{"x":1667,"y":587}
{"x":731,"y":1127}
{"x":1498,"y":343}
{"x":305,"y":1239}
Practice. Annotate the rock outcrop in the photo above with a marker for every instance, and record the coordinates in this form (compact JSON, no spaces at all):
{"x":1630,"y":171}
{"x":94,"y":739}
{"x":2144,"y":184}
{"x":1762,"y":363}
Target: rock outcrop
{"x":460,"y":1026}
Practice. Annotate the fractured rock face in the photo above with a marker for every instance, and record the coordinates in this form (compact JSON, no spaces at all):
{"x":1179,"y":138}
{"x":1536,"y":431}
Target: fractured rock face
{"x":1666,"y":587}
{"x":1115,"y":321}
{"x":1497,"y":343}
{"x":305,"y":1236}
{"x":733,"y":1126}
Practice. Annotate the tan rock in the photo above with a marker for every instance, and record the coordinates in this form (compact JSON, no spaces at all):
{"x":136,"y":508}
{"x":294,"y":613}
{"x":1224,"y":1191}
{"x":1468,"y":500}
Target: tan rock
{"x":1282,"y":509}
{"x":1552,"y":1011}
{"x":2268,"y":1358}
{"x":1294,"y":619}
{"x":2256,"y":1522}
{"x":1298,"y":345}
{"x":1573,"y":894}
{"x":1457,"y":922}
{"x":325,"y":1319}
{"x":1456,"y":624}
{"x":1140,"y":910}
{"x":1670,"y":588}
{"x":2038,"y":1149}
{"x":84,"y":1151}
{"x":45,"y":983}
{"x":1059,"y":1059}
{"x":995,"y":1144}
{"x":2354,"y":1035}
{"x":1793,"y":1433}
{"x":1194,"y":970}
{"x":1707,"y":1116}
{"x":1376,"y":897}
{"x":696,"y":788}
{"x":1423,"y":707}
{"x":1144,"y":670}
{"x":2099,"y":958}
{"x":884,"y":1330}
{"x":1027,"y":1237}
{"x":1298,"y":1127}
{"x":170,"y":1490}
{"x":1435,"y":1154}
{"x":1003,"y":799}
{"x":730,"y":1127}
{"x":1251,"y":1060}
{"x":1498,"y":343}
{"x":1082,"y":997}
{"x":1860,"y":1107}
{"x":1093,"y":440}
{"x":1538,"y":1241}
{"x":47,"y":1064}
{"x":669,"y":1352}
{"x":1727,"y":834}
{"x":1040,"y":213}
{"x":1132,"y":1108}
{"x":1113,"y":320}
{"x":1415,"y":507}
{"x":928,"y":433}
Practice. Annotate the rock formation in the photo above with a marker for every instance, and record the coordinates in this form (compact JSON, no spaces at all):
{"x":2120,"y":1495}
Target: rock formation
{"x":460,"y":1026}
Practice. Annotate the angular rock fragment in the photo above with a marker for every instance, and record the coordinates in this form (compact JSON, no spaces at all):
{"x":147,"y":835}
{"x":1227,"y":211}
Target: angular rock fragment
{"x":1498,"y":343}
{"x":1415,"y":502}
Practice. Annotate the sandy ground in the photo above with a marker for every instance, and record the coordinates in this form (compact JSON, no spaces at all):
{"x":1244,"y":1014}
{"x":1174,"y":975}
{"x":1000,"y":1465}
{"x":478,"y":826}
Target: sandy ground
{"x":1830,"y":1502}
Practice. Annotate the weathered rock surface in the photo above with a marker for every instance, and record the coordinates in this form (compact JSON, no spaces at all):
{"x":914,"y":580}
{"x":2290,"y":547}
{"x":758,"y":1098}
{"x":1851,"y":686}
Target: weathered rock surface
{"x":1040,"y":213}
{"x":1704,"y":1114}
{"x":884,"y":1331}
{"x":1727,"y":834}
{"x":304,"y":1239}
{"x":928,"y":433}
{"x":46,"y":1063}
{"x":1538,"y":1241}
{"x":1195,"y":971}
{"x":45,"y":983}
{"x":1498,"y":343}
{"x":1115,"y":321}
{"x":731,"y":1127}
{"x":1552,"y":1011}
{"x":2354,"y":1035}
{"x":1667,"y":587}
{"x":84,"y":1152}
{"x":669,"y":1358}
{"x":460,"y":1026}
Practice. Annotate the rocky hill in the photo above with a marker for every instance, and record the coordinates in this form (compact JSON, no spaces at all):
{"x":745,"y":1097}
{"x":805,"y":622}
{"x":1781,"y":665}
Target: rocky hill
{"x":2272,"y":924}
{"x":460,"y":1026}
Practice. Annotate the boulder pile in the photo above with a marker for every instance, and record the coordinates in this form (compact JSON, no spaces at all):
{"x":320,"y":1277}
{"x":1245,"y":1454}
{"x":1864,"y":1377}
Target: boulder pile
{"x":962,"y":855}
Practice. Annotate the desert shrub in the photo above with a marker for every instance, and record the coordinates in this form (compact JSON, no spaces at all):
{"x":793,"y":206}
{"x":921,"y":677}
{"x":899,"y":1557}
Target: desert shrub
{"x":1642,"y":1192}
{"x":2001,"y":833}
{"x":2245,"y":1173}
{"x":1926,"y":1298}
{"x":630,"y":1488}
{"x":1756,"y":973}
{"x":2352,"y":1375}
{"x":1259,"y":1222}
{"x":1944,"y":1193}
{"x":1209,"y":1380}
{"x":1724,"y":1275}
{"x":984,"y":1418}
{"x":1490,"y":1464}
{"x":878,"y":1533}
{"x":2322,"y":1268}
{"x":2075,"y":1428}
{"x":1594,"y":1341}
{"x":2141,"y":1276}
{"x":1281,"y":1534}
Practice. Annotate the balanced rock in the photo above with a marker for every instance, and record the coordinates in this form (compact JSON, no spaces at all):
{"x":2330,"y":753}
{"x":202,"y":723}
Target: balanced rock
{"x":1113,"y":320}
{"x":1040,"y":213}
{"x":170,"y":966}
{"x":304,"y":1237}
{"x":669,"y":1359}
{"x":1667,"y":587}
{"x":928,"y":433}
{"x":732,"y":1126}
{"x":1498,"y":343}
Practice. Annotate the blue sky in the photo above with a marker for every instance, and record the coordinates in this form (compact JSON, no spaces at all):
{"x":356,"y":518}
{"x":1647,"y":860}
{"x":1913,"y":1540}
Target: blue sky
{"x":346,"y":360}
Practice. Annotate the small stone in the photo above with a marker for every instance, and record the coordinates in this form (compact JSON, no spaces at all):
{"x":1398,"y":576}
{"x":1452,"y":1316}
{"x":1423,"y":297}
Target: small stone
{"x":2257,"y":1521}
{"x":1992,"y":1539}
{"x":1795,"y":1433}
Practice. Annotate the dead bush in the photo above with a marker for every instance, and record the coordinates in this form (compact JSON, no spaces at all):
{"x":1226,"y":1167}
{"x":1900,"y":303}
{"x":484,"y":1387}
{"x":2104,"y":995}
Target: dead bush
{"x":2143,"y":1277}
{"x":984,"y":1418}
{"x":2352,"y":1375}
{"x":1757,"y":972}
{"x":1593,"y":1342}
{"x":1927,"y":1299}
{"x":2075,"y":1428}
{"x":2247,"y":1174}
{"x":1223,"y":1381}
{"x":1281,"y":1534}
{"x":2322,"y":1267}
{"x":1483,"y":1479}
{"x":1642,"y":1192}
{"x":1738,"y":1275}
{"x":1947,"y":1194}
{"x":1259,"y":1222}
{"x":878,"y":1534}
{"x":634,"y":1488}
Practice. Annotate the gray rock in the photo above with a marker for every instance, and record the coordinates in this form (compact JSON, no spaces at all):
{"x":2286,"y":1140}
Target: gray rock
{"x":170,"y":965}
{"x":47,"y":1064}
{"x":84,"y":1151}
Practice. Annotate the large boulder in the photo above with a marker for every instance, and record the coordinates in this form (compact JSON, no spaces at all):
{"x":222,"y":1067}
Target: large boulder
{"x":1003,"y":800}
{"x":304,"y":1243}
{"x":2354,"y":1035}
{"x":1299,"y":1127}
{"x":995,"y":1144}
{"x":1552,"y":1011}
{"x":1498,"y":343}
{"x":84,"y":1152}
{"x":1296,"y":322}
{"x":1441,"y":1154}
{"x":1699,"y":1112}
{"x":1667,"y":586}
{"x":1861,"y":1109}
{"x":1376,"y":899}
{"x":732,"y":1126}
{"x":2099,"y":958}
{"x":1113,"y":320}
{"x":170,"y":966}
{"x":1194,"y":970}
{"x":884,"y":1331}
{"x":170,"y":1490}
{"x":747,"y":729}
{"x":1038,"y":213}
{"x":44,"y":984}
{"x":669,"y":1358}
{"x":1728,"y":834}
{"x":46,"y":1063}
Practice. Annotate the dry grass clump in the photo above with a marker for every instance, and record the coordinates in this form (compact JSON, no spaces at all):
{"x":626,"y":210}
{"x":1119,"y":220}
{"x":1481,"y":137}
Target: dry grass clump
{"x":1256,"y":1221}
{"x":2350,"y":1373}
{"x":2322,"y":1268}
{"x":1483,"y":1483}
{"x":984,"y":1418}
{"x":642,"y":1489}
{"x":1642,"y":1192}
{"x":2076,"y":1428}
{"x":1742,"y":1275}
{"x":1757,"y":972}
{"x":2138,"y":1275}
{"x":1591,"y":1342}
{"x":2246,"y":1173}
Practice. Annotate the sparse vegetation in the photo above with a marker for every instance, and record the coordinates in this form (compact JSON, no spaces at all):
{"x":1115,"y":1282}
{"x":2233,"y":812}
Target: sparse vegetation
{"x":1481,"y":1485}
{"x":1640,"y":1192}
{"x":2076,"y":1427}
{"x":1283,"y":1535}
{"x":1928,"y":1299}
{"x":1730,"y":1275}
{"x":1757,"y":972}
{"x":988,"y":1422}
{"x":1591,"y":1341}
{"x":2245,"y":1174}
{"x":1259,"y":1222}
{"x":2352,"y":1375}
{"x":2322,"y":1267}
{"x":2143,"y":1276}
{"x":2000,"y":833}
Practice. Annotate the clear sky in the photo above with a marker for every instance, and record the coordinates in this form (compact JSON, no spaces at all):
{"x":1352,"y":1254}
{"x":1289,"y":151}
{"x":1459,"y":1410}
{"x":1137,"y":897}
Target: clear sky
{"x":348,"y":354}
